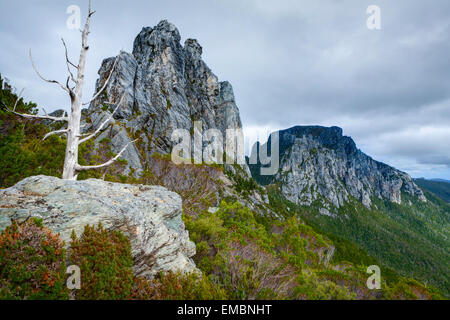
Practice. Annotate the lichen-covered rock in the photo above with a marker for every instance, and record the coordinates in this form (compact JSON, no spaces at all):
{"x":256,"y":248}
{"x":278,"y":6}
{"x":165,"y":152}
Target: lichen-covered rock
{"x":320,"y":164}
{"x":149,"y":215}
{"x":165,"y":86}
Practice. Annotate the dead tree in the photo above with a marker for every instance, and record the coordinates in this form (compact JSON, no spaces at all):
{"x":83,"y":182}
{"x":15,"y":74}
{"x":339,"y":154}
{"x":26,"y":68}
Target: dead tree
{"x":72,"y":131}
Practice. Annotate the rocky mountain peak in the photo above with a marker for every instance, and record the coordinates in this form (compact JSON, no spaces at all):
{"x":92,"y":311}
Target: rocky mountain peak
{"x":165,"y":87}
{"x":151,"y":42}
{"x":320,"y":164}
{"x":329,"y":137}
{"x":193,"y":48}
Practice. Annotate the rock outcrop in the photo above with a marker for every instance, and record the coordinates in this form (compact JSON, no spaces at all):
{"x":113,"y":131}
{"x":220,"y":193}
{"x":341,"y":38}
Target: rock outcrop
{"x":165,"y":86}
{"x":149,"y":215}
{"x":320,"y":164}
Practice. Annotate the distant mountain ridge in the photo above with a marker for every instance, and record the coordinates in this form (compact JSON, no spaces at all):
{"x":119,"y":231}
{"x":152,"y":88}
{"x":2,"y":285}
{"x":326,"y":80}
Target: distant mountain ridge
{"x":439,"y":187}
{"x":333,"y":186}
{"x":440,"y":180}
{"x":321,"y":164}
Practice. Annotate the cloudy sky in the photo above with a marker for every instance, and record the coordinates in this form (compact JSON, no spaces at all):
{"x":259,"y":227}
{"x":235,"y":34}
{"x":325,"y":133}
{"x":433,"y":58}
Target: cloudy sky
{"x":290,"y":62}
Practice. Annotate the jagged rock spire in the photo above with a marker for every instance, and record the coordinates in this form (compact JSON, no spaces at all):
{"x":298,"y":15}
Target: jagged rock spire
{"x":165,"y":86}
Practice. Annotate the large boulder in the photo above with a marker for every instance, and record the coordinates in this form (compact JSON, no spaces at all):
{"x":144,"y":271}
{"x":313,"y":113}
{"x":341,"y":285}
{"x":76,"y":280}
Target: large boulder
{"x":149,"y":215}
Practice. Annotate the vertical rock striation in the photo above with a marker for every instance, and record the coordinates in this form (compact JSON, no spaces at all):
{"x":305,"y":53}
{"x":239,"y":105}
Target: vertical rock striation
{"x":165,"y":86}
{"x":320,"y":164}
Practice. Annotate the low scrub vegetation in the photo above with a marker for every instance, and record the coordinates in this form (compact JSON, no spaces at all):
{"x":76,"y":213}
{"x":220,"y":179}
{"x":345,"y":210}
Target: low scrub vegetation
{"x":241,"y":255}
{"x":32,"y":263}
{"x":238,"y":257}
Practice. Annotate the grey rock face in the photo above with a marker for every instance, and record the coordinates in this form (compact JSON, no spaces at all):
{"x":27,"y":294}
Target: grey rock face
{"x":149,"y":215}
{"x":319,"y":163}
{"x":166,"y":86}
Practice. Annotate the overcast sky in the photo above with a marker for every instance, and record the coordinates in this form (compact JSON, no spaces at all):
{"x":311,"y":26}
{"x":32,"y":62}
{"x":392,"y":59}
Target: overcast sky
{"x":290,"y":62}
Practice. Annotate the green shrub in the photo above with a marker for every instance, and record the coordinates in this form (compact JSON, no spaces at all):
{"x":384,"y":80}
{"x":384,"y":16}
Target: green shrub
{"x":105,"y":262}
{"x":410,"y":289}
{"x":249,"y":272}
{"x":179,"y":286}
{"x":310,"y":287}
{"x":143,"y":290}
{"x":32,"y":263}
{"x":241,"y":184}
{"x":207,"y":232}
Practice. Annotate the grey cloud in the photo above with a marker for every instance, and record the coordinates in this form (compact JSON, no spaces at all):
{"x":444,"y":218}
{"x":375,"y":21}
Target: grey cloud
{"x":435,"y":159}
{"x":290,"y":62}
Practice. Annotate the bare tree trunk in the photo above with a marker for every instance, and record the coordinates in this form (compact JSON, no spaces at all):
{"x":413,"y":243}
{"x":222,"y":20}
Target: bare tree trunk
{"x":71,"y":157}
{"x":71,"y":167}
{"x":73,"y":126}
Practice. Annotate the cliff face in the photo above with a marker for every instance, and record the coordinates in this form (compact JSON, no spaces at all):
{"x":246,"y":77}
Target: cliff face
{"x":319,"y":163}
{"x":166,"y":86}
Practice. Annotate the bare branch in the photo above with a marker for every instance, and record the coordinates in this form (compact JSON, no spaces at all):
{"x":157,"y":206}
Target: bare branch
{"x":34,"y":116}
{"x":67,"y":56}
{"x":68,"y":64}
{"x":90,"y":12}
{"x":53,"y":133}
{"x":79,"y":168}
{"x":104,"y":85}
{"x":85,"y":31}
{"x":17,"y":101}
{"x":49,"y":81}
{"x":70,"y":90}
{"x":90,"y":136}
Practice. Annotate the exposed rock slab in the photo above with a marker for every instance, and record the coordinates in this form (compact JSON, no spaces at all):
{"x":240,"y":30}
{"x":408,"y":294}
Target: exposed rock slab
{"x":149,"y":215}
